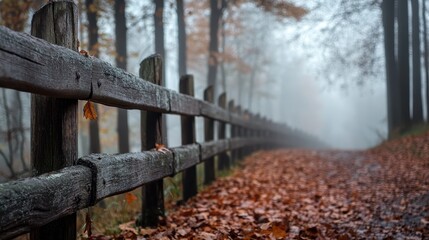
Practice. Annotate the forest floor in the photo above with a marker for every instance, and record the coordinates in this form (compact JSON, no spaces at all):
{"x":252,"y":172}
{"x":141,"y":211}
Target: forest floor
{"x":381,"y":193}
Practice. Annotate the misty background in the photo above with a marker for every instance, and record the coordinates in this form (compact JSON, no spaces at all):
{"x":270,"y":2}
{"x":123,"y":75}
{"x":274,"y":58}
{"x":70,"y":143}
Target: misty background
{"x":322,"y":71}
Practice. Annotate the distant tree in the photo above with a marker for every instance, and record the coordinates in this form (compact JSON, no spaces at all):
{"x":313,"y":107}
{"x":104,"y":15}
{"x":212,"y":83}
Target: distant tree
{"x":14,"y":15}
{"x":158,"y":17}
{"x":93,"y":47}
{"x":417,"y":85}
{"x":392,"y":84}
{"x":403,"y":64}
{"x":426,"y":56}
{"x":181,"y":37}
{"x":281,"y":9}
{"x":216,"y":9}
{"x":121,"y":62}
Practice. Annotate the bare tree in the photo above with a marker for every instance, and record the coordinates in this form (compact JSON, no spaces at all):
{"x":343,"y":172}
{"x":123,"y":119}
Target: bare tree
{"x":417,"y":85}
{"x":91,"y":11}
{"x":121,"y":62}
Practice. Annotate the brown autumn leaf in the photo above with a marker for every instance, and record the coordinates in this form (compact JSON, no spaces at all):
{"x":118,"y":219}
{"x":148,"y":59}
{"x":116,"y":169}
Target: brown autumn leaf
{"x":312,"y":194}
{"x":161,"y":148}
{"x":278,"y":232}
{"x":130,"y":197}
{"x":84,"y":53}
{"x":89,"y":111}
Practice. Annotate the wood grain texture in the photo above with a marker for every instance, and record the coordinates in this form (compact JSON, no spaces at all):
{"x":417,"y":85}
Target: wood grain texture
{"x":34,"y":202}
{"x":32,"y":65}
{"x":213,"y":148}
{"x":184,"y":104}
{"x":209,"y":110}
{"x":53,"y":120}
{"x":152,"y":134}
{"x":185,"y":157}
{"x":119,"y":173}
{"x":116,"y":87}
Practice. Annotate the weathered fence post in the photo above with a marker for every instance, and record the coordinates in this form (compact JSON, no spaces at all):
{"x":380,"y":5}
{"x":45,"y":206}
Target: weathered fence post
{"x":53,"y":120}
{"x":233,"y":132}
{"x":209,"y":166}
{"x":189,"y":177}
{"x":151,"y":134}
{"x":223,"y":159}
{"x":246,"y":132}
{"x":239,"y":132}
{"x":257,"y":133}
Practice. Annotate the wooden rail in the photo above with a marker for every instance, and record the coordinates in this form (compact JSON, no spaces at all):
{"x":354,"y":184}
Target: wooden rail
{"x":36,"y":66}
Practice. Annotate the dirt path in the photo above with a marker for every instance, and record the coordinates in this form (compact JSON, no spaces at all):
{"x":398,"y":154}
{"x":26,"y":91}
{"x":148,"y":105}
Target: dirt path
{"x":303,"y":194}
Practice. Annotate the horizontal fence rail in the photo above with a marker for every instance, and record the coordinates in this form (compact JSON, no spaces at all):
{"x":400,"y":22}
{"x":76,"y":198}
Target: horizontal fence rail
{"x":33,"y":65}
{"x":35,"y":201}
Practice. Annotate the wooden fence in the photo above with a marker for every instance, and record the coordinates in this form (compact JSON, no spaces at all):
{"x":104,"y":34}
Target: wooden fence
{"x":58,"y":76}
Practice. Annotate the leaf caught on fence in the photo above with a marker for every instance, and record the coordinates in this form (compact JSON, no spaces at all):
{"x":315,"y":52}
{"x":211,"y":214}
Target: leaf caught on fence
{"x":89,"y":111}
{"x":161,"y":148}
{"x":84,"y":53}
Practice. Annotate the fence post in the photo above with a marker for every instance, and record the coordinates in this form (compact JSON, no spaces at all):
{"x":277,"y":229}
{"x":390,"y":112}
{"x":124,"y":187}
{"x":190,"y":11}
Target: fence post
{"x":246,"y":132}
{"x":53,"y":120}
{"x":151,"y":133}
{"x":209,"y":168}
{"x":189,"y":177}
{"x":239,"y":132}
{"x":233,"y":132}
{"x":258,"y":133}
{"x":223,"y":160}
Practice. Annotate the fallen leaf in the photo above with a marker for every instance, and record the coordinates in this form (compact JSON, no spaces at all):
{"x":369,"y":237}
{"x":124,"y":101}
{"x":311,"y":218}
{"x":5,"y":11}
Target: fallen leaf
{"x":128,"y":227}
{"x":130,"y":197}
{"x":89,"y":111}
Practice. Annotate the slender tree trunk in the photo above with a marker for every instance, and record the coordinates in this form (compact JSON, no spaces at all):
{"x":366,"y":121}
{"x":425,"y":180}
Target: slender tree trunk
{"x":216,"y":8}
{"x":417,"y":85}
{"x":222,"y":63}
{"x":159,"y":32}
{"x":9,"y":159}
{"x":121,"y":62}
{"x":181,"y":37}
{"x":160,"y":49}
{"x":392,"y":88}
{"x":403,"y":63}
{"x":91,"y":14}
{"x":426,"y":56}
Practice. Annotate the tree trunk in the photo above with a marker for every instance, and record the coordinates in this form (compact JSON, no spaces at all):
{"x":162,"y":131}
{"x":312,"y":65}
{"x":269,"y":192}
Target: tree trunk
{"x":417,"y":85}
{"x":392,"y":88}
{"x":216,"y":8}
{"x":91,"y":14}
{"x":158,"y":18}
{"x":403,"y":63}
{"x":181,"y":26}
{"x":426,"y":57}
{"x":121,"y":62}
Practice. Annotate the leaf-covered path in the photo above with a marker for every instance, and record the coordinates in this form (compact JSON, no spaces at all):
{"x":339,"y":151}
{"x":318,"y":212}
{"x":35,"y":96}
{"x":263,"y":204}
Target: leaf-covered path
{"x":382,"y":193}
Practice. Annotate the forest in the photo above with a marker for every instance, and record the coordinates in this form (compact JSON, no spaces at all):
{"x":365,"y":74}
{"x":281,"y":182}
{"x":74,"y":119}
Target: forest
{"x":214,"y":119}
